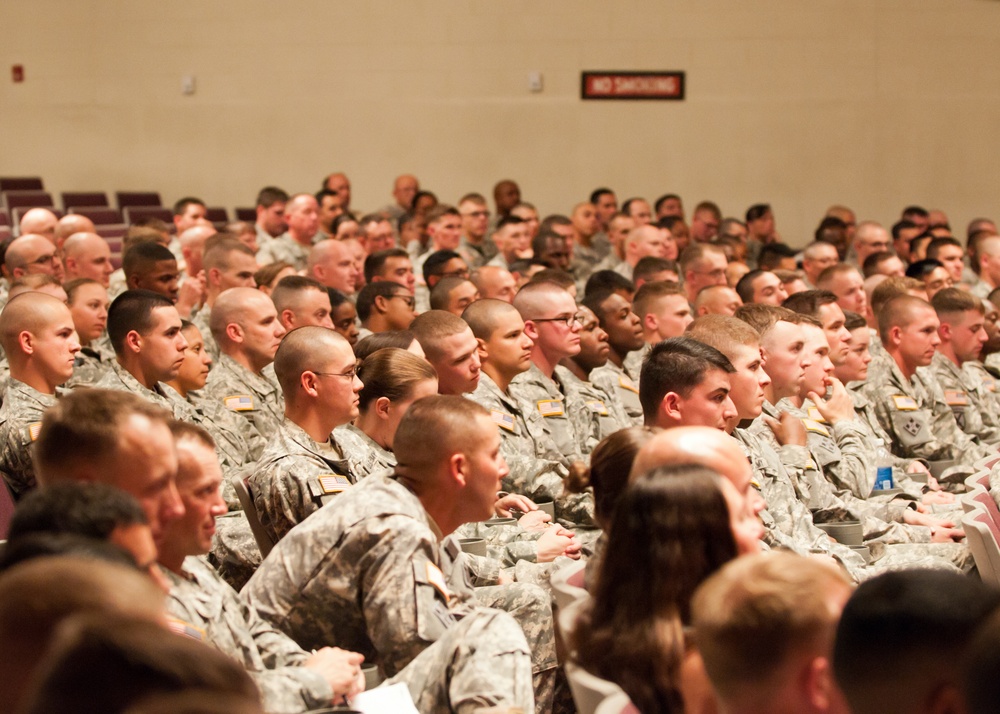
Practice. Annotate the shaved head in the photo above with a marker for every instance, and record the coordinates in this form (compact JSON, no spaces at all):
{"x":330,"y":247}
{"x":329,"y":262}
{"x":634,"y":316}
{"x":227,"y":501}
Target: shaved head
{"x":234,"y":305}
{"x":482,"y":316}
{"x":72,"y":223}
{"x":534,"y":298}
{"x":302,"y":349}
{"x":900,"y":312}
{"x":23,"y":252}
{"x":29,"y":312}
{"x":41,"y":221}
{"x":700,"y":445}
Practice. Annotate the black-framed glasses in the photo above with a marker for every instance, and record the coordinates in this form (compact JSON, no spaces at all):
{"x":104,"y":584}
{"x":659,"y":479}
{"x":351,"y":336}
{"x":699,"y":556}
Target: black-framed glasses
{"x":350,"y":374}
{"x":567,"y":320}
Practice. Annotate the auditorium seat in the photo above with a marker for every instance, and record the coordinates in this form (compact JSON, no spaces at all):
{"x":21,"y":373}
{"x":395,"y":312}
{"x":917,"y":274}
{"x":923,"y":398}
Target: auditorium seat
{"x":218,"y":216}
{"x":114,"y":231}
{"x":4,"y":217}
{"x":567,"y":584}
{"x":6,"y":510}
{"x":27,"y":199}
{"x":21,"y":183}
{"x":984,"y":542}
{"x":136,"y":213}
{"x":242,"y":489}
{"x":246,"y":214}
{"x":591,"y":692}
{"x":80,"y":199}
{"x":6,"y":232}
{"x":137,"y":198}
{"x":100,"y":215}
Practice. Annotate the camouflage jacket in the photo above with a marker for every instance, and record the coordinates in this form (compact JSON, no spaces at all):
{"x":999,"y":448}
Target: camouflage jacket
{"x":20,"y":421}
{"x":200,"y":599}
{"x":92,"y":363}
{"x":253,"y":396}
{"x":366,"y":575}
{"x":614,"y":380}
{"x":285,"y":249}
{"x":536,"y":467}
{"x":365,"y":455}
{"x":970,"y":402}
{"x":548,"y":397}
{"x":294,"y":477}
{"x":604,"y":409}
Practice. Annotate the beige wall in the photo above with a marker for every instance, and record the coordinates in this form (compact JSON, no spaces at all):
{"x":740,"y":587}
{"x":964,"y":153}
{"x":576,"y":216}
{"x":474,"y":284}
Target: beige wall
{"x":873,"y":103}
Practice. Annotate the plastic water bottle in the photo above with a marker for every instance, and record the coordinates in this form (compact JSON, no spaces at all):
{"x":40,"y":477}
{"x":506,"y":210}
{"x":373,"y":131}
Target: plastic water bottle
{"x":883,"y":460}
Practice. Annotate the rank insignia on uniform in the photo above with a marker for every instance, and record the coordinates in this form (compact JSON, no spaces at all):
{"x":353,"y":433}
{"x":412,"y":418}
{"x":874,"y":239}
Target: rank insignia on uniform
{"x":815,"y":427}
{"x":503,"y":419}
{"x":626,"y":382}
{"x":912,"y":426}
{"x":179,"y":627}
{"x":904,"y":403}
{"x":436,"y":578}
{"x":956,"y":398}
{"x":598,"y":407}
{"x":550,"y":407}
{"x":34,"y":430}
{"x":239,"y":402}
{"x":333,"y":483}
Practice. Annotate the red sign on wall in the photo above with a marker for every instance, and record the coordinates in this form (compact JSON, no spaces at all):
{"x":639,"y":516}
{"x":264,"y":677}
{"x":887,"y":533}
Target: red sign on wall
{"x":632,"y":85}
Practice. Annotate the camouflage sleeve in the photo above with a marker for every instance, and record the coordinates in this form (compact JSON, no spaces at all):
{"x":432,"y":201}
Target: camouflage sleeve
{"x":960,"y":446}
{"x":15,"y":461}
{"x":292,"y":689}
{"x":855,"y":471}
{"x":542,"y":480}
{"x":281,"y":497}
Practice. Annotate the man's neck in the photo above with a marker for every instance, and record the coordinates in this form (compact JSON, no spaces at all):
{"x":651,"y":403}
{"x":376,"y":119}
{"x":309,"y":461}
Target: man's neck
{"x":907,"y":371}
{"x":300,"y":239}
{"x":617,"y":358}
{"x":545,"y":363}
{"x":576,"y":368}
{"x":174,"y":562}
{"x":946,"y":350}
{"x":502,"y":381}
{"x":312,"y":421}
{"x":27,"y":374}
{"x":439,"y":503}
{"x":134,"y":367}
{"x":771,"y":396}
{"x":583,"y":240}
{"x":244,"y":361}
{"x":797,"y":400}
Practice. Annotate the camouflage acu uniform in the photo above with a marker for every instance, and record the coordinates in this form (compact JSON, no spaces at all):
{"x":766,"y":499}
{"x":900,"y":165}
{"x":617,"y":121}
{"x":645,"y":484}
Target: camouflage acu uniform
{"x":477,"y":255}
{"x":537,"y":468}
{"x":285,"y":249}
{"x":20,"y":421}
{"x":843,"y":450}
{"x":201,"y":320}
{"x":614,"y":380}
{"x":604,"y":410}
{"x":294,"y":477}
{"x":201,"y":599}
{"x":253,"y":396}
{"x":120,"y":380}
{"x":548,"y":397}
{"x":971,"y":404}
{"x":367,"y":576}
{"x":4,"y":373}
{"x":235,"y":554}
{"x":116,"y":284}
{"x":916,"y":416}
{"x":92,"y":363}
{"x":586,"y":258}
{"x":366,"y":457}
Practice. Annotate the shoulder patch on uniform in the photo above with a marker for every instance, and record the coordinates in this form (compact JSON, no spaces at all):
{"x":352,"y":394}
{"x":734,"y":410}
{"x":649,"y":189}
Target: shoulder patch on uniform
{"x":956,"y":398}
{"x":625,"y":382}
{"x":503,"y":419}
{"x":34,"y":430}
{"x":179,"y":627}
{"x":904,"y":403}
{"x":816,"y":416}
{"x":815,"y":427}
{"x":239,"y":402}
{"x":436,"y":578}
{"x":333,"y":483}
{"x":551,"y":407}
{"x":990,"y":384}
{"x":598,"y":407}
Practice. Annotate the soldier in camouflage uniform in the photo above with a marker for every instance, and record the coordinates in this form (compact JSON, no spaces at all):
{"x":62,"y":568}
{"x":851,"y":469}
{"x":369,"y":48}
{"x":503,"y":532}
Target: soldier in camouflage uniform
{"x":302,"y":467}
{"x":302,"y":219}
{"x":962,"y":338}
{"x":290,"y":679}
{"x":88,"y":302}
{"x":913,"y":412}
{"x":45,"y":324}
{"x":368,"y":574}
{"x":227,"y":263}
{"x":246,"y":327}
{"x":624,"y":336}
{"x":554,"y":339}
{"x":537,"y":467}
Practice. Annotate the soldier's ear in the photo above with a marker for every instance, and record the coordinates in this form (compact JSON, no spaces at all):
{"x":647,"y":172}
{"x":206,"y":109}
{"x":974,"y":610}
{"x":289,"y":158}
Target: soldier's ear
{"x":944,"y":331}
{"x":458,"y":465}
{"x":382,"y":405}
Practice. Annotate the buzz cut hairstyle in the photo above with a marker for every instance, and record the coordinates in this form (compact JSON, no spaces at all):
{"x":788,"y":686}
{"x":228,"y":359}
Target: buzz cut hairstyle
{"x":696,"y":252}
{"x":647,"y":295}
{"x":678,"y":365}
{"x":897,"y":312}
{"x":368,"y":294}
{"x":951,"y":302}
{"x":440,"y":211}
{"x":763,"y":318}
{"x":435,"y":262}
{"x":935,"y":246}
{"x":143,"y":255}
{"x":829,"y":274}
{"x":890,"y":288}
{"x":723,"y":332}
{"x":744,"y":286}
{"x":132,"y":310}
{"x":808,"y":302}
{"x":651,"y":265}
{"x":432,"y":326}
{"x":270,"y":195}
{"x":853,"y":321}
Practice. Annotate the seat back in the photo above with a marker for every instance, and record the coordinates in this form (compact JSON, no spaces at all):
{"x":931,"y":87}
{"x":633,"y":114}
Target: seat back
{"x":80,"y":199}
{"x":242,"y":488}
{"x":589,"y":691}
{"x":983,"y":544}
{"x":136,"y":213}
{"x":137,"y":198}
{"x":27,"y":199}
{"x":985,"y":499}
{"x":100,"y":215}
{"x":246,"y":214}
{"x":6,"y":510}
{"x":21,"y":183}
{"x":567,"y":584}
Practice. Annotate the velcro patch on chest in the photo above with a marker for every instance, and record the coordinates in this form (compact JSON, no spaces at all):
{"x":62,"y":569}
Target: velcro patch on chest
{"x":956,"y":398}
{"x":815,"y":427}
{"x":598,"y":407}
{"x":333,"y":483}
{"x":179,"y":627}
{"x":816,"y":416}
{"x":551,"y":407}
{"x":904,"y":403}
{"x":239,"y":403}
{"x":436,"y":578}
{"x":34,"y":430}
{"x":503,"y":419}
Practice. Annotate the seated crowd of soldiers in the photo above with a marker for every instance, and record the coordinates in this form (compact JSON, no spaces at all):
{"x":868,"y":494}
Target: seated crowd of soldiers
{"x":336,"y":440}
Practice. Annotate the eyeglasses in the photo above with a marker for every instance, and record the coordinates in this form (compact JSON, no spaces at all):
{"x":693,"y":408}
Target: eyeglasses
{"x":43,"y":259}
{"x":567,"y":320}
{"x":717,"y":273}
{"x":351,"y":374}
{"x":409,"y":299}
{"x":456,"y":274}
{"x":477,"y":214}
